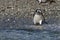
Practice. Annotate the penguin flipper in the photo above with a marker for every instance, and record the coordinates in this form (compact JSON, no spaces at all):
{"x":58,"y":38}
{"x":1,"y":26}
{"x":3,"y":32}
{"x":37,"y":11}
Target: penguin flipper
{"x":44,"y":22}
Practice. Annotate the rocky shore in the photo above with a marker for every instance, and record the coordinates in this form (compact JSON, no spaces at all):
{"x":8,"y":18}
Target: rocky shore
{"x":16,"y":14}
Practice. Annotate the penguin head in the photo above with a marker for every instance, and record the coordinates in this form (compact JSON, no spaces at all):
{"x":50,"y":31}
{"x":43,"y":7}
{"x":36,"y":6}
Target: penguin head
{"x":38,"y":11}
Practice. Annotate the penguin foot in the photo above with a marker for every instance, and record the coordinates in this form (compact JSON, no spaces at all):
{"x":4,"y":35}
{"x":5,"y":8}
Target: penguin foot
{"x":36,"y":24}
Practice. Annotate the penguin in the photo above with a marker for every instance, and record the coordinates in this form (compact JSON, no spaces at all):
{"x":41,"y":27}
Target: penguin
{"x":38,"y":18}
{"x":45,"y":1}
{"x":41,"y":1}
{"x":52,"y":1}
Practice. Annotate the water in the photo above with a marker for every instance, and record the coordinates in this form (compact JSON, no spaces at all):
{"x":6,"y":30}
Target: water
{"x":29,"y":35}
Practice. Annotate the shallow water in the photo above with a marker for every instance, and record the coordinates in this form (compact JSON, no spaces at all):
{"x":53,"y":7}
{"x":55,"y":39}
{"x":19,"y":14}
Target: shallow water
{"x":29,"y":35}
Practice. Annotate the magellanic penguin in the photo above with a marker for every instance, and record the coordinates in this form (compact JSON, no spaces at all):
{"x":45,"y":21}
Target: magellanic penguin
{"x":38,"y":17}
{"x":44,"y":1}
{"x":51,"y":1}
{"x":41,"y":1}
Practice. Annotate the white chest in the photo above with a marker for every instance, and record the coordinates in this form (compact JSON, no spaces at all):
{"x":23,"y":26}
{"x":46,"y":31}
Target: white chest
{"x":38,"y":17}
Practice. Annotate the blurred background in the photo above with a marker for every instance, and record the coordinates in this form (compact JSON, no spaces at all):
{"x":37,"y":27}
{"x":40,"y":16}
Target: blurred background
{"x":18,"y":14}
